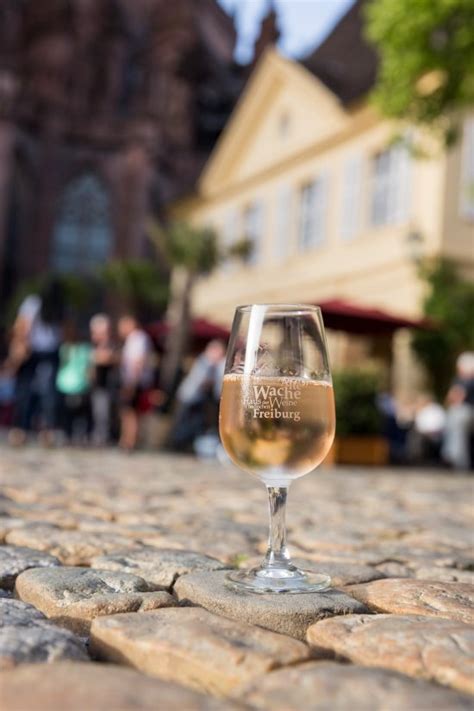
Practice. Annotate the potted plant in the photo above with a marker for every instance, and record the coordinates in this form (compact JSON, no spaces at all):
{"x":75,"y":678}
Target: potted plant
{"x":358,"y":431}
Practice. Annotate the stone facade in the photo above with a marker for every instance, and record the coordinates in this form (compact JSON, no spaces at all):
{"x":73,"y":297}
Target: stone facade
{"x":109,"y":104}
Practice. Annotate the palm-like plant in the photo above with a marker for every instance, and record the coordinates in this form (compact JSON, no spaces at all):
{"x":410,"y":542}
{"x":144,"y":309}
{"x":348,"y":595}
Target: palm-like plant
{"x":189,"y":253}
{"x":137,"y":285}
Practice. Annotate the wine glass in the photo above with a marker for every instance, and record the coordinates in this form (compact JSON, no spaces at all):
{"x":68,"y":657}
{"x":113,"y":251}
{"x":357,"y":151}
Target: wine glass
{"x":277,"y":422}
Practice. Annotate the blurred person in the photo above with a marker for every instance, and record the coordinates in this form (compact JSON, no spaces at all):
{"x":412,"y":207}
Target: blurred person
{"x":7,"y":394}
{"x":425,"y":437}
{"x":36,"y":336}
{"x":73,"y":383}
{"x":394,"y":427}
{"x":136,"y":377}
{"x":457,"y":441}
{"x":198,"y":397}
{"x":104,"y":361}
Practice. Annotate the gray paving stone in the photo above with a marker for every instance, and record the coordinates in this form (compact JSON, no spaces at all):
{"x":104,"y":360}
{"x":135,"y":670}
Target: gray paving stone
{"x":286,"y":614}
{"x":158,"y":566}
{"x":192,"y":646}
{"x":27,"y":636}
{"x":15,"y":559}
{"x":329,"y":686}
{"x":73,"y":597}
{"x":425,"y":647}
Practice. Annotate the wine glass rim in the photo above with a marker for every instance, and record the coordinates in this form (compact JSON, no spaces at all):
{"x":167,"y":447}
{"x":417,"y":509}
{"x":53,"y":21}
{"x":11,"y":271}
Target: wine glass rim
{"x":290,"y":308}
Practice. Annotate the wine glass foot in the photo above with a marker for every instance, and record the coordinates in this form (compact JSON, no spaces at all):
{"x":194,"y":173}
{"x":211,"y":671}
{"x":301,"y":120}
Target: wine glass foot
{"x":268,"y":580}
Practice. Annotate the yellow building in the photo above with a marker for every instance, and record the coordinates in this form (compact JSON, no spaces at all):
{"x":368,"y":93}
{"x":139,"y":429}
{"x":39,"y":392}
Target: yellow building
{"x":333,"y":207}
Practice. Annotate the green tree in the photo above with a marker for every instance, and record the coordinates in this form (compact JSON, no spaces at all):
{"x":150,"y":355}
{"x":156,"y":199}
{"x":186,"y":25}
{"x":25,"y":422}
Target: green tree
{"x":78,"y":292}
{"x":449,"y":304}
{"x":426,"y":50}
{"x":138,"y":285}
{"x":189,"y":253}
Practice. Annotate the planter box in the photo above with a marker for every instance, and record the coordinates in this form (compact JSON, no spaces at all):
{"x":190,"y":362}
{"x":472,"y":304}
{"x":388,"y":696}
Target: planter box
{"x":154,"y":429}
{"x":359,"y":449}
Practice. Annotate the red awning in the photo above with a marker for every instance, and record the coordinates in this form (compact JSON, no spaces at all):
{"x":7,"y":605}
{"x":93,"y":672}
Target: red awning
{"x":201,"y":330}
{"x":341,"y":315}
{"x":338,"y":315}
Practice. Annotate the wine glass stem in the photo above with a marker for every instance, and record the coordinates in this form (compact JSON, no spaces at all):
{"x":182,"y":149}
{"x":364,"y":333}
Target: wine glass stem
{"x":277,"y":555}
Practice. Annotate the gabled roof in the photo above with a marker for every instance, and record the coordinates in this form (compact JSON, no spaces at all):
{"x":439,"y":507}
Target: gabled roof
{"x":345,"y":62}
{"x":278,"y":86}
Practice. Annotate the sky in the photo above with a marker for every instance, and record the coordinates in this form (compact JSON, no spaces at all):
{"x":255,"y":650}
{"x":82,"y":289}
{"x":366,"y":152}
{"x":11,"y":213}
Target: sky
{"x":303,"y":23}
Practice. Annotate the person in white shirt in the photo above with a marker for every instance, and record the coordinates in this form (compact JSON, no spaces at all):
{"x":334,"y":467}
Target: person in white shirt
{"x":136,"y":376}
{"x":457,"y":449}
{"x":34,"y":348}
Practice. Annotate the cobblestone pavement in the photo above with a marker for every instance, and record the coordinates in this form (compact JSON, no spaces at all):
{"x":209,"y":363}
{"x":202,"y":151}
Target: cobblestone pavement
{"x":107,"y":558}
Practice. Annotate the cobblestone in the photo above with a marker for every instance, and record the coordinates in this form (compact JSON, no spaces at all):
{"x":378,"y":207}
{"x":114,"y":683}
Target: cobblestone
{"x":159,"y":567}
{"x":73,"y":597}
{"x":96,"y":687}
{"x":398,"y":540}
{"x":317,"y":686}
{"x":194,"y":647}
{"x":27,"y":636}
{"x":287,"y":614}
{"x":71,"y":547}
{"x":455,"y":601}
{"x":15,"y":559}
{"x":422,"y":647}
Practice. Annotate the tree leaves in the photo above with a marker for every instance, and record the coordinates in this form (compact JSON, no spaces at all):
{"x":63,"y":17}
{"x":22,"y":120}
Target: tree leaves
{"x":138,"y":283}
{"x":182,"y":244}
{"x":449,"y":303}
{"x":417,"y":39}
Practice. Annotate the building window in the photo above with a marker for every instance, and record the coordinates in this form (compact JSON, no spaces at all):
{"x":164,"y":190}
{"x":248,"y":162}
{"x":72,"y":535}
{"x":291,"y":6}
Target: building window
{"x":391,"y":186}
{"x":312,"y":213}
{"x":82,"y":236}
{"x":229,"y":231}
{"x":282,"y":222}
{"x":351,"y":197}
{"x":229,"y":237}
{"x":253,"y":230}
{"x":284,"y":124}
{"x":467,"y":170}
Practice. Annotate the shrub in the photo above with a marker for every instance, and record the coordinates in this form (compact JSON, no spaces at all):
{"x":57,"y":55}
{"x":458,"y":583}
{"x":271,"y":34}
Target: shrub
{"x":355,"y":393}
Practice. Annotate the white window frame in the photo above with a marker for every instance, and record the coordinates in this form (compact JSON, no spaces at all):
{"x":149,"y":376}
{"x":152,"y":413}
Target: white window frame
{"x":352,"y":197}
{"x":313,"y":211}
{"x":283,"y":212}
{"x":391,"y":191}
{"x":253,"y":229}
{"x":229,"y":236}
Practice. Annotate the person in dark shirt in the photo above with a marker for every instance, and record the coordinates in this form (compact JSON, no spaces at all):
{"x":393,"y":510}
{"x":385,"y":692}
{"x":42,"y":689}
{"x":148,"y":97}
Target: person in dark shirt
{"x":104,"y":362}
{"x":198,"y":398}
